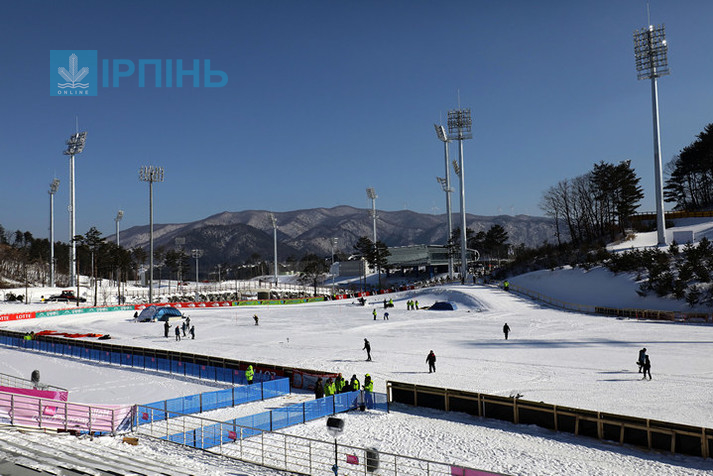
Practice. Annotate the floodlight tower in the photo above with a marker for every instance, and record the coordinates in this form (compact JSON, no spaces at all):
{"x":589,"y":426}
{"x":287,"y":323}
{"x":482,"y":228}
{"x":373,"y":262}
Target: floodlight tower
{"x":650,"y":51}
{"x":274,"y":240}
{"x":75,"y":145}
{"x":53,"y":189}
{"x":460,"y":124}
{"x":371,"y":193}
{"x":197,"y":254}
{"x":446,"y":185}
{"x":151,"y":174}
{"x":119,"y":216}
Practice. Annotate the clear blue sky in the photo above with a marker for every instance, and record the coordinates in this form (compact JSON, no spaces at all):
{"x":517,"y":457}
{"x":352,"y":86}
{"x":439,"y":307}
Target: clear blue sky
{"x":327,"y":98}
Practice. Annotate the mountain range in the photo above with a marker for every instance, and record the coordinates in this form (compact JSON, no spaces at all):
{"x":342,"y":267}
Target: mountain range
{"x":235,"y":237}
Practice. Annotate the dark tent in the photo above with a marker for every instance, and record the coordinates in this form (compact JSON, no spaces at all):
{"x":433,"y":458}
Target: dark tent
{"x":443,"y":306}
{"x":153,"y":313}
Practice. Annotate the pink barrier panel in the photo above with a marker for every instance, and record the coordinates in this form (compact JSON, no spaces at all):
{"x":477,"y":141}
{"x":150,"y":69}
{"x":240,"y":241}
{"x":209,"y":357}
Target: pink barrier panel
{"x":25,"y":410}
{"x":50,"y":394}
{"x":458,"y":471}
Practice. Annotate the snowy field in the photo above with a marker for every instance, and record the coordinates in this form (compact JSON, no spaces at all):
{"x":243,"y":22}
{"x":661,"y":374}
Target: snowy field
{"x":552,"y":356}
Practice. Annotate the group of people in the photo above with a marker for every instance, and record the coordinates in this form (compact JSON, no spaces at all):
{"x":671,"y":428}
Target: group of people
{"x":185,"y":326}
{"x":412,"y":305}
{"x":339,"y":385}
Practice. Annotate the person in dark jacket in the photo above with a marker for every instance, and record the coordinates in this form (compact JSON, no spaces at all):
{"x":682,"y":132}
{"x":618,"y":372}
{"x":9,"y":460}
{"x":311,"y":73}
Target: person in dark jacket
{"x":166,"y":326}
{"x":647,"y":367}
{"x":367,"y":348}
{"x":642,"y":359}
{"x":431,"y":359}
{"x":506,"y":330}
{"x":178,"y":332}
{"x":193,"y":332}
{"x":183,"y":328}
{"x":318,"y":388}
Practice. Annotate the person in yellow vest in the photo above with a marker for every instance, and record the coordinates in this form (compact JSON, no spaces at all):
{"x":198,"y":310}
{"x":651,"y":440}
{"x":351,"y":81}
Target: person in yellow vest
{"x":339,"y":384}
{"x":354,"y":384}
{"x":249,"y":374}
{"x":329,"y":387}
{"x":368,"y":389}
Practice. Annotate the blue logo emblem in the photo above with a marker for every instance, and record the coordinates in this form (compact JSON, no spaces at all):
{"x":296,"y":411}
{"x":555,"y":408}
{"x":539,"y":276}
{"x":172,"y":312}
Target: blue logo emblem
{"x":73,"y":73}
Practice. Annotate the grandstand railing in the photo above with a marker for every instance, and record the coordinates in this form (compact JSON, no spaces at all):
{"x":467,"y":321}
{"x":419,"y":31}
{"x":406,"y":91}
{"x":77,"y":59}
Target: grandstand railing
{"x":250,"y":439}
{"x":17,"y":382}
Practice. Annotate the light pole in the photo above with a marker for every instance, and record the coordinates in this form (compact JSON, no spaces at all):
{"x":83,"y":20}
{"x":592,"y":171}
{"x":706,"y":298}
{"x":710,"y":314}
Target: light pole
{"x":151,"y":174}
{"x":119,"y":216}
{"x":446,"y":185}
{"x":371,"y":193}
{"x":53,"y":189}
{"x":197,"y":254}
{"x":650,"y":50}
{"x":460,"y":123}
{"x":75,"y":145}
{"x":334,"y":243}
{"x":274,"y":241}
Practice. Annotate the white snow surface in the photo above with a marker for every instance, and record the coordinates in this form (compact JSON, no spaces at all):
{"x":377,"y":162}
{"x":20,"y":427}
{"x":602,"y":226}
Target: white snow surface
{"x":554,"y":356}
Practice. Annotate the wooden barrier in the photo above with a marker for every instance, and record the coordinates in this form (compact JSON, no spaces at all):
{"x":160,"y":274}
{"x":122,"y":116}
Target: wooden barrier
{"x":622,"y":429}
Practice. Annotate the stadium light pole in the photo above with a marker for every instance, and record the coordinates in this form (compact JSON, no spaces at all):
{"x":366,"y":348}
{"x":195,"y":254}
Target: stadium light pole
{"x":75,"y":145}
{"x":650,"y":51}
{"x":54,"y":186}
{"x":274,"y":240}
{"x":151,"y":174}
{"x":460,"y":124}
{"x":119,"y":216}
{"x":446,"y":185}
{"x":371,"y":193}
{"x":197,"y":254}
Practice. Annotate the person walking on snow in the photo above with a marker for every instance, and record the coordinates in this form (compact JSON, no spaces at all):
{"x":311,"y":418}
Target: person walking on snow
{"x":178,"y":333}
{"x":367,"y":348}
{"x":506,"y":330}
{"x":431,"y":359}
{"x":373,"y":312}
{"x":256,"y":319}
{"x":166,"y":326}
{"x":642,"y":359}
{"x":193,"y":332}
{"x":183,"y":328}
{"x":647,"y":368}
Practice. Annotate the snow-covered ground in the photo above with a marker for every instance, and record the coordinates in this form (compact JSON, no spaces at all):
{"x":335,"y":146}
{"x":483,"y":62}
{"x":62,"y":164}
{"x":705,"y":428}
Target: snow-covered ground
{"x":553,"y":356}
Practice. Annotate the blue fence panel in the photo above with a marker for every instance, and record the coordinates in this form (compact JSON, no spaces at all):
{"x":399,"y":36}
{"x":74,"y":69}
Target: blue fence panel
{"x":224,"y":398}
{"x":192,"y":404}
{"x":86,"y":353}
{"x":254,"y":392}
{"x":115,"y":358}
{"x":93,"y":354}
{"x":318,"y":408}
{"x":207,"y":372}
{"x":174,"y":404}
{"x":380,"y":402}
{"x":105,"y":356}
{"x":192,"y":370}
{"x":281,"y":417}
{"x":138,"y":361}
{"x":260,"y":421}
{"x":127,"y":359}
{"x":211,"y":435}
{"x":151,"y":363}
{"x":181,"y":438}
{"x":163,"y":365}
{"x":224,"y":375}
{"x":178,"y":367}
{"x":346,"y":401}
{"x":240,"y":395}
{"x":209,"y":401}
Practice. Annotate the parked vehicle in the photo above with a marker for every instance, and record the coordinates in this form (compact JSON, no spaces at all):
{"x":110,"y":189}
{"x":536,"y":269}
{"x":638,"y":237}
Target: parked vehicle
{"x":66,"y":296}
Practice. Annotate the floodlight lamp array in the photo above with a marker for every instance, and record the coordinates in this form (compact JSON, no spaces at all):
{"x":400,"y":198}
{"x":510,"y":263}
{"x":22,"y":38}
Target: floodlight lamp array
{"x":371,"y":193}
{"x":651,"y":52}
{"x":75,"y":144}
{"x":441,"y":132}
{"x":119,"y":215}
{"x":196,"y":253}
{"x":460,"y":123}
{"x":54,"y":186}
{"x":456,"y":167}
{"x":273,"y":220}
{"x":150,"y":173}
{"x":444,"y":184}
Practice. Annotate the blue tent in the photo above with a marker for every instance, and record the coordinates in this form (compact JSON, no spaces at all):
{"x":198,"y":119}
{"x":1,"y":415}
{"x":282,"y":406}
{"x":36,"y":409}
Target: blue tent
{"x":153,"y":313}
{"x":443,"y":306}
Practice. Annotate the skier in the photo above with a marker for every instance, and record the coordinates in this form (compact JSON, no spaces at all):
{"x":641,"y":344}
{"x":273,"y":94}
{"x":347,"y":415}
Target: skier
{"x":367,"y":348}
{"x":318,"y":388}
{"x":506,"y":330}
{"x":431,"y":359}
{"x":642,"y":359}
{"x":249,"y":374}
{"x":647,"y":367}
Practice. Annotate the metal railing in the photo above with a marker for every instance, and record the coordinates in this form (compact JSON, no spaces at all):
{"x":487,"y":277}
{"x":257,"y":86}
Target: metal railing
{"x":286,"y":452}
{"x":17,"y":382}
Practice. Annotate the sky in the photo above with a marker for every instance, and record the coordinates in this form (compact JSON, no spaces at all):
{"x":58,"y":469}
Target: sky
{"x":325,"y":99}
